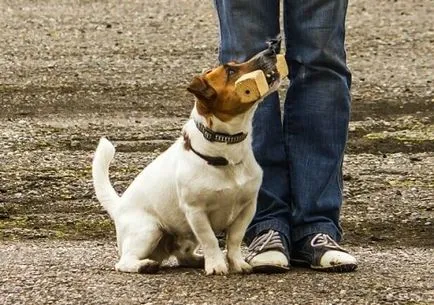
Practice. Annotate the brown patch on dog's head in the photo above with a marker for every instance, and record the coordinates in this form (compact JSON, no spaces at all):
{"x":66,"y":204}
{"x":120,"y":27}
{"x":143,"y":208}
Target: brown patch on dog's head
{"x":215,"y":91}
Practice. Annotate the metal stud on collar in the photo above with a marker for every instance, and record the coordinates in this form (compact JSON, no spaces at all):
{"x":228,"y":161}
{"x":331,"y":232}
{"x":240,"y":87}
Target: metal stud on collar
{"x":213,"y":136}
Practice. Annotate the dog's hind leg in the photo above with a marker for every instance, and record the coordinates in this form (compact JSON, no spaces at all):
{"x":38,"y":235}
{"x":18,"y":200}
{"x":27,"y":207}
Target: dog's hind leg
{"x":187,"y":256}
{"x":191,"y":261}
{"x":137,"y":245}
{"x":132,"y":264}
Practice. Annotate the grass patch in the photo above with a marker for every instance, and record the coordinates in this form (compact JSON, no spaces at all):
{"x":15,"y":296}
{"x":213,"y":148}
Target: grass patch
{"x":35,"y":226}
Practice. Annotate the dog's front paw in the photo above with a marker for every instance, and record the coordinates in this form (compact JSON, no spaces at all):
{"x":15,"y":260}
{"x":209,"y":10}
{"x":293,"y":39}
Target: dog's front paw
{"x":216,"y":266}
{"x":239,"y":266}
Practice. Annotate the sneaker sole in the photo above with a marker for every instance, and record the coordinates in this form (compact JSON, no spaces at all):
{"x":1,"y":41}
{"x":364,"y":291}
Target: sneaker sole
{"x":338,"y":269}
{"x":269,"y":269}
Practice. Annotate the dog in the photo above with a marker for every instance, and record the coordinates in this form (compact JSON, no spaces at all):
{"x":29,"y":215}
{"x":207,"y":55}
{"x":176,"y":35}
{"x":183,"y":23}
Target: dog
{"x":206,"y":182}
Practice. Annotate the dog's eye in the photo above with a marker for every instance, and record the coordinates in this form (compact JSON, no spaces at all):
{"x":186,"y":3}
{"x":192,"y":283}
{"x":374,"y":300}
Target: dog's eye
{"x":231,"y":71}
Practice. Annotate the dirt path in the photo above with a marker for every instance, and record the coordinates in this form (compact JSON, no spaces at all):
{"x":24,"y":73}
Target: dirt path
{"x":72,"y":72}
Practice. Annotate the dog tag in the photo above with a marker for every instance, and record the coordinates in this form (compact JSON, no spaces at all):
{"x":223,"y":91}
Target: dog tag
{"x":251,"y":86}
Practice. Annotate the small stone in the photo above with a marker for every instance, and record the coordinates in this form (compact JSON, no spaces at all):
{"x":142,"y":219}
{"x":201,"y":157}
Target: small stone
{"x":347,"y":177}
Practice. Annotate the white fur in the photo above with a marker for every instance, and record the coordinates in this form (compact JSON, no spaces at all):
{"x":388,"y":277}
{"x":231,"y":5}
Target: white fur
{"x":178,"y":201}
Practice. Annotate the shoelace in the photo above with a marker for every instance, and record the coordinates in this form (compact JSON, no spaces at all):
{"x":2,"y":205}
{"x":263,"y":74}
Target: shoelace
{"x":324,"y":240}
{"x":264,"y":242}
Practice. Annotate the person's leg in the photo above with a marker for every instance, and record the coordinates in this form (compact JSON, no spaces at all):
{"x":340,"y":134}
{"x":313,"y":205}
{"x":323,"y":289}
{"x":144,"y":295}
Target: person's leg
{"x":316,"y":114}
{"x":245,"y":27}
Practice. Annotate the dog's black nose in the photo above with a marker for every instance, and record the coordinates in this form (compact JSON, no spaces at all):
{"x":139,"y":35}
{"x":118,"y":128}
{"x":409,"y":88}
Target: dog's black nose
{"x":269,"y":53}
{"x":273,"y":48}
{"x":266,"y":60}
{"x":274,"y":45}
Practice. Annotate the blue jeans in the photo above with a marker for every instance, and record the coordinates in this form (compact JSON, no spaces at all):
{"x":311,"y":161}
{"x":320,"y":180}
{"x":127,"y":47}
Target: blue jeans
{"x":301,"y":155}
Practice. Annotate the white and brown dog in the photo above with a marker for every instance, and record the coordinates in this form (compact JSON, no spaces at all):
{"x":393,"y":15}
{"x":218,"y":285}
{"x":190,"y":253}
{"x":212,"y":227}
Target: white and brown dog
{"x":206,"y":182}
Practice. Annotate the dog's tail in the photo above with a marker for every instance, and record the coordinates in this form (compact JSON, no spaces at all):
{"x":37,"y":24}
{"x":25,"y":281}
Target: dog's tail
{"x":105,"y":192}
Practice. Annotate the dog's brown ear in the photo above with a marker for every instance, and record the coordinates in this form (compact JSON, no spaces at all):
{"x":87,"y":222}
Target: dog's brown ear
{"x":201,"y":89}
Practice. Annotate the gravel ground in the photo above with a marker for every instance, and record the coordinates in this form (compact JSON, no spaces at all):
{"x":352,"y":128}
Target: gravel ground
{"x":72,"y":71}
{"x":82,"y":273}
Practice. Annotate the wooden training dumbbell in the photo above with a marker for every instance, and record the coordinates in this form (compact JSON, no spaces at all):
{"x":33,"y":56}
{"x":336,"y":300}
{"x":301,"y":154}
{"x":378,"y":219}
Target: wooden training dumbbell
{"x":252,"y":86}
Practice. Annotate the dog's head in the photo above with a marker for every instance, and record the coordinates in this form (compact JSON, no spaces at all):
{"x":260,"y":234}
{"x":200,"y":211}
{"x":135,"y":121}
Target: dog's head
{"x":215,"y":88}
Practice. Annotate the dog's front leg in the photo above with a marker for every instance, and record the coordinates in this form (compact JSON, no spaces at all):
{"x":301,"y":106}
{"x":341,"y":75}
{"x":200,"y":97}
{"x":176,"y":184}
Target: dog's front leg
{"x":235,"y":235}
{"x":214,"y":258}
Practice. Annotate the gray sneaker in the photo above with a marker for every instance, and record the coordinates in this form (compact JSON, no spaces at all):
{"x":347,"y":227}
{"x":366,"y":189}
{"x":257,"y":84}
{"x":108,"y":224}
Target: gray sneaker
{"x":321,"y":252}
{"x":267,"y":253}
